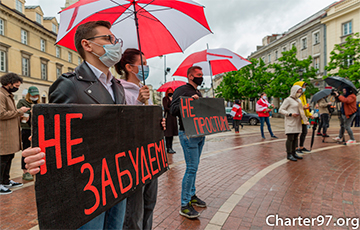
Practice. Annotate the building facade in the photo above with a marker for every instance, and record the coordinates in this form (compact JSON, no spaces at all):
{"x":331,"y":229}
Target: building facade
{"x":27,"y":47}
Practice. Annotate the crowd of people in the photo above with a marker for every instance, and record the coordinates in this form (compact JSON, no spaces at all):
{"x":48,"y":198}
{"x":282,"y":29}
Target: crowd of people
{"x":101,"y":50}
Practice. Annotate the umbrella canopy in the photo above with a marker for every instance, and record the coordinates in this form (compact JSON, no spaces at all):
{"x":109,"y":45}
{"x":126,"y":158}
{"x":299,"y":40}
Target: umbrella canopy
{"x":156,"y":27}
{"x":321,"y":94}
{"x":212,"y":62}
{"x":340,"y":83}
{"x":170,"y":84}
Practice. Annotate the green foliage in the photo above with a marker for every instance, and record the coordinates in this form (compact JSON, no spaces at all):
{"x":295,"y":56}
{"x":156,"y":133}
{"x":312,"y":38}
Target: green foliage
{"x":345,"y":60}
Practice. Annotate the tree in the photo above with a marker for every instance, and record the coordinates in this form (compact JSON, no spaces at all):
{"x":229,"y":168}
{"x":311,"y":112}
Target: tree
{"x":345,"y":60}
{"x":248,"y":82}
{"x":289,"y":70}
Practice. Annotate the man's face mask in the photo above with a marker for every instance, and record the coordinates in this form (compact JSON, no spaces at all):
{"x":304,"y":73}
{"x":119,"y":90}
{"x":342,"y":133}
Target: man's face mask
{"x":112,"y":54}
{"x":198,"y":80}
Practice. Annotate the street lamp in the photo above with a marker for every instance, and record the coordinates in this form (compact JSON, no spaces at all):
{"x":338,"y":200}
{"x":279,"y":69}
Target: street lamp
{"x":166,"y":69}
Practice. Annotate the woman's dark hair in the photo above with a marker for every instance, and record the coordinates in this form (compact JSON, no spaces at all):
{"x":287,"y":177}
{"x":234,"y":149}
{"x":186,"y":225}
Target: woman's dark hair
{"x":129,"y":57}
{"x":10,"y":78}
{"x":262,"y":94}
{"x":167,"y":91}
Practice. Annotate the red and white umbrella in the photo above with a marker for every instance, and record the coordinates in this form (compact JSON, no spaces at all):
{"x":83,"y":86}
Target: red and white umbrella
{"x":170,"y":84}
{"x":156,"y":27}
{"x":212,"y":62}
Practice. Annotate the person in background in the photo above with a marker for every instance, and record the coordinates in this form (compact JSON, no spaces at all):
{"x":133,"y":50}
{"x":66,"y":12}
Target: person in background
{"x":357,"y":116}
{"x":140,"y":205}
{"x":348,"y":112}
{"x":236,"y":113}
{"x":292,"y":109}
{"x":262,"y":109}
{"x":320,"y":121}
{"x":192,"y":147}
{"x":10,"y":136}
{"x":171,"y":121}
{"x":324,"y":115}
{"x":31,"y":98}
{"x":305,"y":105}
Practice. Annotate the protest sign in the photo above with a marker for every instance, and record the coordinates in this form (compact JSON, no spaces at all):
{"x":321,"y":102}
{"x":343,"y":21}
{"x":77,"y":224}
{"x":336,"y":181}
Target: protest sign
{"x":203,"y":116}
{"x":96,"y":155}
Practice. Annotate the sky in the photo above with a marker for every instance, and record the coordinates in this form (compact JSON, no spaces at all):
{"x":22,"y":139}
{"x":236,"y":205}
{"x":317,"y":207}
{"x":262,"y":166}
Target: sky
{"x":238,"y":25}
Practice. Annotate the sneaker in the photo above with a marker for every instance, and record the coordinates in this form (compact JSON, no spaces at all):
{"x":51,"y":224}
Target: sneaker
{"x":27,"y":176}
{"x":4,"y":190}
{"x":305,"y":150}
{"x":274,"y":137}
{"x":325,"y":135}
{"x":236,"y":131}
{"x":197,"y":201}
{"x":189,"y":211}
{"x":318,"y":134}
{"x":13,"y":184}
{"x":337,"y":138}
{"x":298,"y":151}
{"x":349,"y":142}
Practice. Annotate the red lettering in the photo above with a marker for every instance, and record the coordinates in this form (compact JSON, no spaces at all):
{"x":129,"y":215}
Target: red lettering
{"x":212,"y":124}
{"x":144,"y":163}
{"x":120,"y":174}
{"x":216,"y":123}
{"x":43,"y":144}
{"x":201,"y":124}
{"x":135,"y":164}
{"x":69,"y":142}
{"x":164,"y":153}
{"x":152,"y":159}
{"x":196,"y":119}
{"x":158,"y":148}
{"x":104,"y":183}
{"x":227,"y":123}
{"x":184,"y":108}
{"x":92,"y":188}
{"x":223,"y":122}
{"x":190,"y":107}
{"x":207,"y":122}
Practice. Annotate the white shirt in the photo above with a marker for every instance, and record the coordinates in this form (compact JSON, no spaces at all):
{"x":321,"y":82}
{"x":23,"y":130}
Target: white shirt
{"x":105,"y":80}
{"x":132,"y":93}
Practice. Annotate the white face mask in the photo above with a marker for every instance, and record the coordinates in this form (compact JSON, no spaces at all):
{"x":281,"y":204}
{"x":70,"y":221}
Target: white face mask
{"x":112,"y":54}
{"x":264,"y":97}
{"x":298,"y":95}
{"x":34,"y":98}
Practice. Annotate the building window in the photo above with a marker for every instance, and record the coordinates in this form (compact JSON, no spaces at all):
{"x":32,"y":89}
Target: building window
{"x":347,"y":28}
{"x":276,"y":55}
{"x":269,"y":58}
{"x":79,"y":60}
{"x":69,"y":57}
{"x":317,"y":63}
{"x":43,"y":70}
{"x":293,"y":44}
{"x":25,"y":66}
{"x":42,"y":44}
{"x":2,"y":61}
{"x":54,"y":28}
{"x":349,"y":61}
{"x":263,"y":59}
{"x":19,"y":6}
{"x":38,"y":18}
{"x":70,"y":70}
{"x":58,"y":70}
{"x":2,"y":27}
{"x":284,"y":49}
{"x":24,"y":37}
{"x":303,"y":43}
{"x":316,"y":38}
{"x":58,"y":52}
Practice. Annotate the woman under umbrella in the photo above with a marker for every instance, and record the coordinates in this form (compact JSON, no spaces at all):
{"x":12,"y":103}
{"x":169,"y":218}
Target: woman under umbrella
{"x":171,"y":122}
{"x":293,"y":111}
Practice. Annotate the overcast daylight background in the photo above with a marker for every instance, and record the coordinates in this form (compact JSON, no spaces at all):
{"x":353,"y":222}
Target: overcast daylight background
{"x":238,"y":25}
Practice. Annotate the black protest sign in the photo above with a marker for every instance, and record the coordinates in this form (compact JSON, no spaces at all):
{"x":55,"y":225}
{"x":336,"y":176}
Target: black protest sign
{"x":96,"y":156}
{"x":203,"y":116}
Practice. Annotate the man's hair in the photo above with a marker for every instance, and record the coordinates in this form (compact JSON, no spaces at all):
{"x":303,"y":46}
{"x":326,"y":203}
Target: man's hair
{"x":85,"y":31}
{"x":10,"y":78}
{"x":192,"y":68}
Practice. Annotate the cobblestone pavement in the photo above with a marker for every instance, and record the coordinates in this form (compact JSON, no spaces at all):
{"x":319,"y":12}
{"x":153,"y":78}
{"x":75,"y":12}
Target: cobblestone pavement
{"x":245,"y":181}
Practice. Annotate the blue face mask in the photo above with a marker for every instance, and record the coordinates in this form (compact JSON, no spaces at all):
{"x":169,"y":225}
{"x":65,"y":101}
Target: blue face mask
{"x":303,"y":89}
{"x":139,"y":75}
{"x":112,"y":54}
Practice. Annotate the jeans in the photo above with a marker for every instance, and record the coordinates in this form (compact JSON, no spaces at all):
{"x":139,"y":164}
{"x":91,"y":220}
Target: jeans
{"x":345,"y":124}
{"x":5,"y":164}
{"x":110,"y":219}
{"x":266,"y":119}
{"x":140,"y":207}
{"x":192,"y":148}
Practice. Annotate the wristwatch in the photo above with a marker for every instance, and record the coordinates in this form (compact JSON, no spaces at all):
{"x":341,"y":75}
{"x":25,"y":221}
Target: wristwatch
{"x":290,"y":114}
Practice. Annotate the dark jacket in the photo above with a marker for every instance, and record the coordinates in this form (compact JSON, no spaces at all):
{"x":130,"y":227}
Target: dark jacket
{"x":171,"y":121}
{"x":82,"y":87}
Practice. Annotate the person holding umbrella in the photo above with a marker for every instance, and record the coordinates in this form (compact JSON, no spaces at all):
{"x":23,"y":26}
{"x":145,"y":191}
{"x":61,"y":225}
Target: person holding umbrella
{"x":348,"y":112}
{"x":293,"y":111}
{"x":171,"y":121}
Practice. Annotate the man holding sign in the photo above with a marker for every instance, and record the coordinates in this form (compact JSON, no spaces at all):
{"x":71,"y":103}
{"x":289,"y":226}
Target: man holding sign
{"x":192,"y":147}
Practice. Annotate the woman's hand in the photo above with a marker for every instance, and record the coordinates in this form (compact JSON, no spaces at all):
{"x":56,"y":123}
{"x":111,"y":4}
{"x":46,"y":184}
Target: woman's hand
{"x":144,"y":94}
{"x":163,"y":123}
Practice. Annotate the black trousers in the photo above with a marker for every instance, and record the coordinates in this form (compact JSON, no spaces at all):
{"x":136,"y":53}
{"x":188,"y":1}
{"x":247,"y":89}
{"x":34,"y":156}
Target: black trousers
{"x":236,"y":125}
{"x":325,"y":122}
{"x":303,"y":135}
{"x":5,"y":164}
{"x":291,"y":142}
{"x":169,"y":142}
{"x":25,"y":134}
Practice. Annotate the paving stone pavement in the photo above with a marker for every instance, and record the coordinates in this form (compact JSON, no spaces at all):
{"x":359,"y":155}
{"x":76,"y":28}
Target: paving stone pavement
{"x":245,"y":181}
